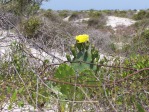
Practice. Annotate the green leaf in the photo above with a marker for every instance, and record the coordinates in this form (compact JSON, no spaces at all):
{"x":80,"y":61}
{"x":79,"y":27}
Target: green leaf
{"x":21,"y":90}
{"x":8,"y":89}
{"x":14,"y":96}
{"x":66,"y":89}
{"x":10,"y":107}
{"x":63,"y":71}
{"x":140,"y":108}
{"x":20,"y":103}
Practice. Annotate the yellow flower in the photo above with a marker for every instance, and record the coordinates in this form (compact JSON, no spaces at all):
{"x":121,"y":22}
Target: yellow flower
{"x":82,"y":38}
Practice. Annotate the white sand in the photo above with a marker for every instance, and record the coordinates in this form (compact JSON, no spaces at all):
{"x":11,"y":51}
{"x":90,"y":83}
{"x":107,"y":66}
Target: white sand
{"x":7,"y":40}
{"x":66,"y":19}
{"x":118,"y":21}
{"x":81,"y":20}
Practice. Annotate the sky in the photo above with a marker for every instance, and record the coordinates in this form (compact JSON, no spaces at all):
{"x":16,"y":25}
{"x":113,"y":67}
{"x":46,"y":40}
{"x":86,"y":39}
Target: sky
{"x":95,"y":4}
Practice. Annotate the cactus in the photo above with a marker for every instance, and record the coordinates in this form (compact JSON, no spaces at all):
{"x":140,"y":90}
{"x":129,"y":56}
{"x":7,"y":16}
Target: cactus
{"x":85,"y":57}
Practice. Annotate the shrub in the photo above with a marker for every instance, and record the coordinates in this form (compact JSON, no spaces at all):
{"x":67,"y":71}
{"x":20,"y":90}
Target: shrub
{"x":145,"y":34}
{"x":126,"y":49}
{"x":97,"y":19}
{"x":51,"y":33}
{"x":120,"y":13}
{"x":24,"y":8}
{"x":85,"y":77}
{"x":94,"y":14}
{"x":31,"y":26}
{"x":63,"y":13}
{"x":96,"y":22}
{"x":113,"y":47}
{"x":93,"y":22}
{"x":115,"y":84}
{"x":51,"y":15}
{"x":139,"y":45}
{"x":73,"y":16}
{"x":107,"y":12}
{"x":142,"y":23}
{"x":141,"y":15}
{"x":8,"y":20}
{"x":147,"y":15}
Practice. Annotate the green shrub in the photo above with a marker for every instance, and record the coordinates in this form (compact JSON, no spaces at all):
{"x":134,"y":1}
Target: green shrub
{"x":122,"y":13}
{"x":145,"y":34}
{"x":126,"y":48}
{"x":96,"y":22}
{"x":147,"y":15}
{"x":139,"y":45}
{"x":31,"y":26}
{"x":24,"y":8}
{"x":92,"y":22}
{"x":95,"y":14}
{"x":74,"y":16}
{"x":97,"y":19}
{"x":141,"y":15}
{"x":107,"y":12}
{"x":86,"y":77}
{"x":48,"y":13}
{"x":142,"y":23}
{"x":63,"y":13}
{"x":17,"y":79}
{"x":51,"y":15}
{"x":119,"y":82}
{"x":113,"y":47}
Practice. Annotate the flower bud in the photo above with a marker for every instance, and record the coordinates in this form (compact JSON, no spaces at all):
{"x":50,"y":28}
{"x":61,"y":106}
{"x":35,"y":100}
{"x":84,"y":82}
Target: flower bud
{"x":68,"y":57}
{"x":87,"y":45}
{"x":73,"y":50}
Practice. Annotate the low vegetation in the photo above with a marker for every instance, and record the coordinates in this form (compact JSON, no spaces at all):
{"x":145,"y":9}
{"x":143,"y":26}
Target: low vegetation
{"x":97,"y":75}
{"x":141,"y":15}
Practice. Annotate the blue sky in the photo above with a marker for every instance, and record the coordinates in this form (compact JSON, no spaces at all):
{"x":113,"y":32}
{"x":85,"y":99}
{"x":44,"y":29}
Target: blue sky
{"x":95,"y":4}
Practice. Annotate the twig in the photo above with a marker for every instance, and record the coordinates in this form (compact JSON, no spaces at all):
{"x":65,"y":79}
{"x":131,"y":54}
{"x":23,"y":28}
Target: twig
{"x":79,"y":85}
{"x":83,"y":85}
{"x":24,"y":85}
{"x":109,"y":100}
{"x":128,"y":76}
